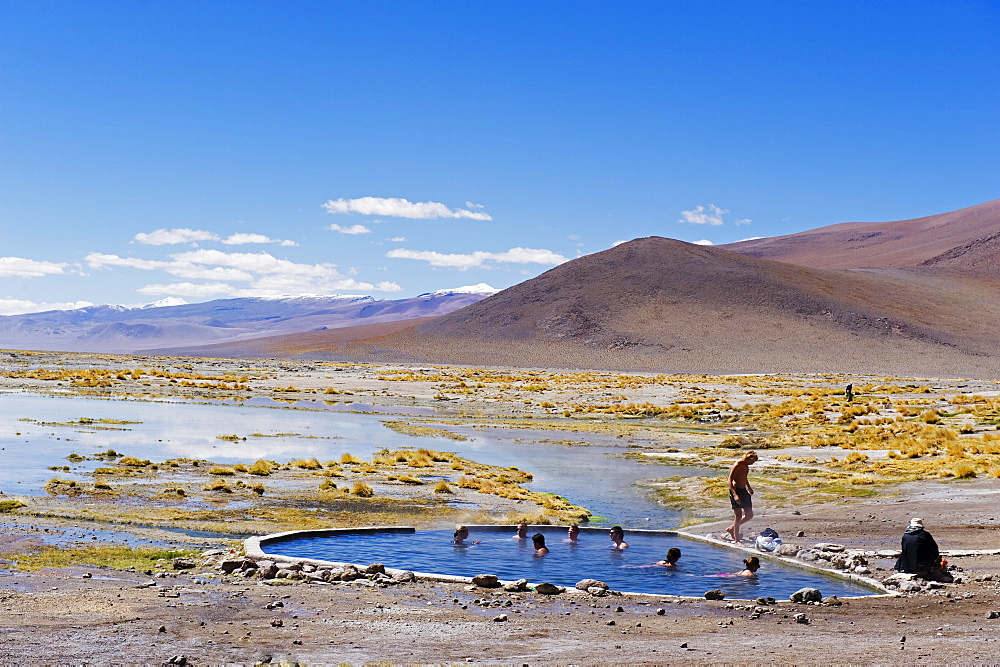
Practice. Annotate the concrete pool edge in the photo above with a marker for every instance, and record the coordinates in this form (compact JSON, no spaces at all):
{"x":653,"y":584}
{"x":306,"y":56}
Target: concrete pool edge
{"x":253,"y":548}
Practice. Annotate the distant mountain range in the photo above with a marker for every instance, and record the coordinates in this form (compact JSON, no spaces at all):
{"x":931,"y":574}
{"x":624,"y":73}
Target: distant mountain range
{"x":913,"y":298}
{"x":168,"y":324}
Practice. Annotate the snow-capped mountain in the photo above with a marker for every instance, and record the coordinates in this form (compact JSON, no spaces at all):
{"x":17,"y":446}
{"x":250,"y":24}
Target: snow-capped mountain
{"x":174,"y":323}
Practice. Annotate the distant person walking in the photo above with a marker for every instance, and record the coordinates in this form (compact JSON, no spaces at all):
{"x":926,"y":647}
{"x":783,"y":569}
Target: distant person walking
{"x":849,"y":393}
{"x":740,"y":494}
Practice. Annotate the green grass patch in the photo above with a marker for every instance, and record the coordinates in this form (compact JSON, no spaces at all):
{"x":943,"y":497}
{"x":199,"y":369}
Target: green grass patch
{"x":117,"y":557}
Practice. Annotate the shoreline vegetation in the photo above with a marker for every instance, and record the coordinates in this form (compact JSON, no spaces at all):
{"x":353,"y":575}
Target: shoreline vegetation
{"x":821,"y":450}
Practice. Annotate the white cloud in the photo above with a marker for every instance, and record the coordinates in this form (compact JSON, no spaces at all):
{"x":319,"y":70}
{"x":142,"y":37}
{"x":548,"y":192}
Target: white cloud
{"x":172,"y":236}
{"x":397,"y":239}
{"x":702,"y":242}
{"x":388,"y":286}
{"x":395,"y":207}
{"x":618,"y":243}
{"x":19,"y":267}
{"x":194,"y":272}
{"x":98,"y":260}
{"x":463,"y":262}
{"x":743,"y":221}
{"x":189,"y":289}
{"x":701,"y":216}
{"x":243,"y":239}
{"x":19,"y":306}
{"x":353,"y":229}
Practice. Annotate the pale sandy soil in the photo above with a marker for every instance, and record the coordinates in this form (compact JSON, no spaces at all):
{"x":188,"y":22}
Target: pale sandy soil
{"x":114,"y":617}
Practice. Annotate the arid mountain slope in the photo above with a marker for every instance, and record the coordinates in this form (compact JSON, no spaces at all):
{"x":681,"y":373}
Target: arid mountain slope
{"x":967,"y":239}
{"x":662,"y":304}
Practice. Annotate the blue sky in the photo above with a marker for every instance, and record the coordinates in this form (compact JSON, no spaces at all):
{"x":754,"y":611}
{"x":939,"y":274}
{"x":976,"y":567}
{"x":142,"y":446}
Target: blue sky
{"x":201,"y":150}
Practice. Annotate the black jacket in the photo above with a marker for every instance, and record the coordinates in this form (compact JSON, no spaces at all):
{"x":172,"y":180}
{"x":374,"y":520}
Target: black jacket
{"x":920,"y":551}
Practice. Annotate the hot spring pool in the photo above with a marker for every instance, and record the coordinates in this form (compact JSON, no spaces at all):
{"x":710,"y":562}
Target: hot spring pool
{"x":702,"y":566}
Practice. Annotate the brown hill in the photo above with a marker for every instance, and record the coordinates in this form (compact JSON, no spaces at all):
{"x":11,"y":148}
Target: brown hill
{"x":656,"y":303}
{"x":968,"y":239}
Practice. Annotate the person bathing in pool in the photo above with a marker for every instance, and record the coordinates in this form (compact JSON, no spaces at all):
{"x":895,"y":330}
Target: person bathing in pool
{"x":461,"y":535}
{"x":538,"y":541}
{"x":673,"y":555}
{"x":573,"y":535}
{"x":750,"y":565}
{"x":618,"y":537}
{"x":522,"y":532}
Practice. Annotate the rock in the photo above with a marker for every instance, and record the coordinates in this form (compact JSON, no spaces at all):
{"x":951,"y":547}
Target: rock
{"x":233,"y":564}
{"x":177,"y":660}
{"x":597,"y":591}
{"x":502,"y":618}
{"x":162,"y":628}
{"x":715,"y":594}
{"x":486,"y":581}
{"x":833,"y":601}
{"x":610,"y":623}
{"x":828,"y":546}
{"x":895,"y":579}
{"x":909,"y":587}
{"x":761,"y":600}
{"x":307,"y":568}
{"x":86,"y":575}
{"x":375,"y":568}
{"x":661,"y":611}
{"x":801,"y":533}
{"x":786,"y":550}
{"x":277,"y":622}
{"x":274,"y":605}
{"x":862,"y":569}
{"x":546,"y":588}
{"x":808,"y":556}
{"x":267,"y":571}
{"x":404,"y":576}
{"x":585,"y":584}
{"x":516,"y":586}
{"x":806,"y":595}
{"x":184,"y":564}
{"x":993,"y":614}
{"x":801,"y":618}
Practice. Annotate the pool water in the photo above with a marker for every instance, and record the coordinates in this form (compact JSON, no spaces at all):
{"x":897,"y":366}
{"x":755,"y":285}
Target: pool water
{"x":702,"y":567}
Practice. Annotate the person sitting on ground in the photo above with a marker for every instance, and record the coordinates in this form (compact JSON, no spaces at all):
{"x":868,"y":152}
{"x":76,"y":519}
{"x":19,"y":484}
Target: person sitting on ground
{"x":574,"y":533}
{"x":751,"y":565}
{"x":919,"y":553}
{"x":673,"y":555}
{"x":522,"y":531}
{"x":538,"y":541}
{"x":618,"y":537}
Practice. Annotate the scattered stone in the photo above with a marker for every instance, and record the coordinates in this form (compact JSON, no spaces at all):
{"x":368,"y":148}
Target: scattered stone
{"x":833,"y":601}
{"x":806,"y":595}
{"x":801,"y":618}
{"x":801,"y":533}
{"x":274,"y":605}
{"x":375,"y":568}
{"x":516,"y":586}
{"x":993,"y":614}
{"x":486,"y":581}
{"x":549,"y":589}
{"x":277,"y":622}
{"x":233,"y":564}
{"x":620,"y":609}
{"x":610,"y":623}
{"x":267,"y":570}
{"x":162,"y":628}
{"x":597,"y":591}
{"x":177,"y":660}
{"x":87,"y":575}
{"x":715,"y":594}
{"x":830,"y":547}
{"x":661,"y":611}
{"x":684,"y":645}
{"x":502,"y":618}
{"x":586,"y":584}
{"x":761,"y":600}
{"x":404,"y":576}
{"x":786,"y":550}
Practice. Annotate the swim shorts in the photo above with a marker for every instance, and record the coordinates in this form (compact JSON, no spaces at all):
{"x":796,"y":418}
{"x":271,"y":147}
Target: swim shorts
{"x":745,"y":502}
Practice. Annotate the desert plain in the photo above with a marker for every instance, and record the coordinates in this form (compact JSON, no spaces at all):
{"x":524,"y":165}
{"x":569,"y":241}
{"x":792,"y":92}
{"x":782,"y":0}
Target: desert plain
{"x":89,"y":570}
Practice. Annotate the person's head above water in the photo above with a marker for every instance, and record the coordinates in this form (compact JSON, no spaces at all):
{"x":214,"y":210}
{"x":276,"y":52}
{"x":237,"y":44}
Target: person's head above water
{"x":574,"y":531}
{"x":618,"y":537}
{"x":522,"y":530}
{"x":673,"y":555}
{"x":538,"y":541}
{"x":751,"y":564}
{"x":461,"y":533}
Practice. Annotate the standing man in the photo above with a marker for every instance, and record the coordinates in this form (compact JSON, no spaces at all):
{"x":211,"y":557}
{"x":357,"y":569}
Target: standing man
{"x":740,"y":494}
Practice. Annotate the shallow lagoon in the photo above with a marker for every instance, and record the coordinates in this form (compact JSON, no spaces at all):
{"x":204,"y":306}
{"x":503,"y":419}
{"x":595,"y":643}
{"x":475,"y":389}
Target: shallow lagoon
{"x":567,"y":562}
{"x":594,"y":476}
